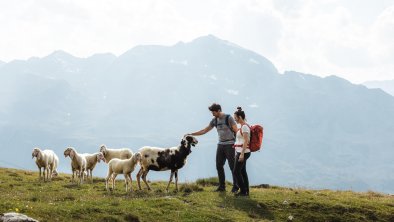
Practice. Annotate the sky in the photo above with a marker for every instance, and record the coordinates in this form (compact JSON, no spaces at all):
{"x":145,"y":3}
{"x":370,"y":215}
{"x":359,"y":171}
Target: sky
{"x":353,"y":39}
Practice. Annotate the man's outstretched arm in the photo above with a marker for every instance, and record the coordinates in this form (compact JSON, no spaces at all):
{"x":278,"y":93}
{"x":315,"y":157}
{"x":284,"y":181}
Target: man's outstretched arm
{"x":201,"y":132}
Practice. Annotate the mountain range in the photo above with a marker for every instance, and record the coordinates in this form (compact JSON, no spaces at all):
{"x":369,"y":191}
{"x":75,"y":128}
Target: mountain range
{"x":386,"y":85}
{"x":318,"y":132}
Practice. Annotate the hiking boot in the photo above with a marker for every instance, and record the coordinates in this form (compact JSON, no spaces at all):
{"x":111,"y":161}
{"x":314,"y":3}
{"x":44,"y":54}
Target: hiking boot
{"x":241,"y":194}
{"x":220,"y":189}
{"x":234,"y":190}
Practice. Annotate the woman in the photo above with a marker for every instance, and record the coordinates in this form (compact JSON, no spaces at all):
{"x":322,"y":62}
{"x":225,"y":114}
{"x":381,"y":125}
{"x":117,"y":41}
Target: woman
{"x":242,"y":153}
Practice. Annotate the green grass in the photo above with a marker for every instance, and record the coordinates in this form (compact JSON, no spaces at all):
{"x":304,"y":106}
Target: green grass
{"x":60,"y":200}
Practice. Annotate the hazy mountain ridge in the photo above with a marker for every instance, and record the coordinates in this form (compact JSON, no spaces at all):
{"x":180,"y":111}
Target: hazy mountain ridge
{"x":319,"y":132}
{"x":387,"y":85}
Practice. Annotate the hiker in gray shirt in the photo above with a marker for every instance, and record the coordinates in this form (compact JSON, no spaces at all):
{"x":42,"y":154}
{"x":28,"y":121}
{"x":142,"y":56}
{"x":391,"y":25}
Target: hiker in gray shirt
{"x":225,"y":126}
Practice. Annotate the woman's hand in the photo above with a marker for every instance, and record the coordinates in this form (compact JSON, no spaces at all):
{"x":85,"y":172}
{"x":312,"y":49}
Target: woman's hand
{"x":241,"y":157}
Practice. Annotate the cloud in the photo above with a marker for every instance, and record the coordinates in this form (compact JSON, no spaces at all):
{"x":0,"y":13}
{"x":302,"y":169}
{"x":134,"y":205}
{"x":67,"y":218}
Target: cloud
{"x":256,"y":27}
{"x":382,"y":35}
{"x":325,"y":38}
{"x":233,"y":92}
{"x":320,"y":37}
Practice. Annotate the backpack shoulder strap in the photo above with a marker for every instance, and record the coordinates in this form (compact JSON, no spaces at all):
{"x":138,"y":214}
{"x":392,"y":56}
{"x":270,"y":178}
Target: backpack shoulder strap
{"x":240,"y":129}
{"x":227,"y":122}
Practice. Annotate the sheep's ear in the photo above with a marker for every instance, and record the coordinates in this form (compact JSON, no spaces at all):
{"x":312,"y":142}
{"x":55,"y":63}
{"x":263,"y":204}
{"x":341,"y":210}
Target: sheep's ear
{"x":39,"y":155}
{"x":72,"y":154}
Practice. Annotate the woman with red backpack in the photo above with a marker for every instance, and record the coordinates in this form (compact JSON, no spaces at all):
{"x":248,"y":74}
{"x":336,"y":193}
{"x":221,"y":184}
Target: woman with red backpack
{"x":242,"y":153}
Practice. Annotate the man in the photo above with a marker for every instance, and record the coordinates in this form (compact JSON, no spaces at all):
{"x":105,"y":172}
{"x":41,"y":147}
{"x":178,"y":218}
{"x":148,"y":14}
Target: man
{"x":225,"y":126}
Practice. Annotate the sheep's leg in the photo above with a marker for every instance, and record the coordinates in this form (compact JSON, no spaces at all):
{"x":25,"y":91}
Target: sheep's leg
{"x":81,"y":172}
{"x":169,"y":182}
{"x":109,"y":176}
{"x":90,"y":177}
{"x":114,"y":175}
{"x":131,"y":183}
{"x":51,"y":171}
{"x":39,"y":175}
{"x":82,"y":176}
{"x":43,"y":173}
{"x":86,"y":174}
{"x":126,"y":180}
{"x":139,"y":178}
{"x":144,"y":178}
{"x":72,"y":178}
{"x":176,"y":180}
{"x":48,"y":174}
{"x":47,"y":169}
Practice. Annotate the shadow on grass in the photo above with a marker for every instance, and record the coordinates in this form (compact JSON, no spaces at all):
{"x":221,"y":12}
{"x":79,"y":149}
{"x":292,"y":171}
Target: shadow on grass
{"x":253,"y":208}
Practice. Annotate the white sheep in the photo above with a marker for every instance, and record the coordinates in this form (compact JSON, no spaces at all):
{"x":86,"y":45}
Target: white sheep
{"x":91,"y":161}
{"x":160,"y":159}
{"x":109,"y":154}
{"x":78,"y":163}
{"x":126,"y":167}
{"x":48,"y":160}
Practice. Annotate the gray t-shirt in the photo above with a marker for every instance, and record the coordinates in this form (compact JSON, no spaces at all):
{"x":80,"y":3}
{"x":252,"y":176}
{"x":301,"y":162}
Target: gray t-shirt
{"x":226,"y":135}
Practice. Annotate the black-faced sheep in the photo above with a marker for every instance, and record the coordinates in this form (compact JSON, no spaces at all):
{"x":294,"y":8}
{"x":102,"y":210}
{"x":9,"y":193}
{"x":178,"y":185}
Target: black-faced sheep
{"x":48,"y":160}
{"x":160,"y":159}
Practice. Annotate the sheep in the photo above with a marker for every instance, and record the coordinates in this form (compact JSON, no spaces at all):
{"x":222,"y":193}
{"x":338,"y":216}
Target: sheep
{"x":159,"y":159}
{"x":48,"y":160}
{"x":78,"y":163}
{"x":109,"y":154}
{"x":126,"y":167}
{"x":91,"y":161}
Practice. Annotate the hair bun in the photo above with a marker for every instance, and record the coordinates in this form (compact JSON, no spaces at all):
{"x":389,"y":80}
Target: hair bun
{"x":239,"y":108}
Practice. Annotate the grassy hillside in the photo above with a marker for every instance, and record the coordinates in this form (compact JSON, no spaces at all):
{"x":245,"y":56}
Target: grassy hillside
{"x":60,"y":200}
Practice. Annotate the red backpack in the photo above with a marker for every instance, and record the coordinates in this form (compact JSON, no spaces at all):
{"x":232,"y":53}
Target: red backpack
{"x":256,"y":137}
